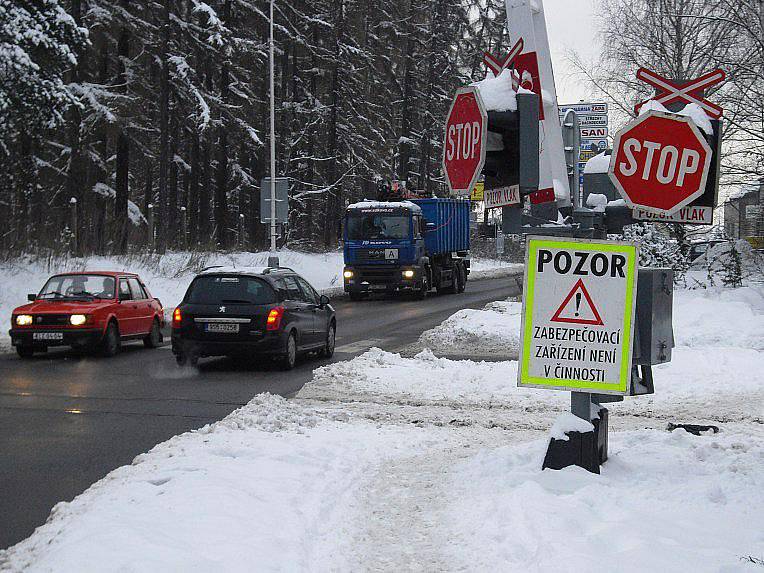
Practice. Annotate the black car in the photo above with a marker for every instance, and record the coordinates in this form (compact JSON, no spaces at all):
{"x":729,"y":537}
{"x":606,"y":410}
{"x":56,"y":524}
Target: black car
{"x":245,"y":311}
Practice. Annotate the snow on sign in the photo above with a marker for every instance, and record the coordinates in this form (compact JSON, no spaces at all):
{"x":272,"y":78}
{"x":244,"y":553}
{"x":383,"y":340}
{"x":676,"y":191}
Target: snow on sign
{"x":578,"y":315}
{"x":660,"y":162}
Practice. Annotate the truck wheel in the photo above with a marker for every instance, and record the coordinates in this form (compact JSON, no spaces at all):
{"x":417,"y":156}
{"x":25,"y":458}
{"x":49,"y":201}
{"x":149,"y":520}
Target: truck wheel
{"x":461,"y":279}
{"x":421,"y":294}
{"x":356,"y":296}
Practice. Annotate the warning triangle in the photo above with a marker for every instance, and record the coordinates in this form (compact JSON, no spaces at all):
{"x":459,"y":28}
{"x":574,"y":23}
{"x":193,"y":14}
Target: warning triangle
{"x":578,"y":307}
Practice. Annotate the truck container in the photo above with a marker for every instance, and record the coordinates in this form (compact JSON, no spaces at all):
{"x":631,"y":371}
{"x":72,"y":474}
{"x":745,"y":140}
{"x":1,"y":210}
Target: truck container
{"x":406,"y":246}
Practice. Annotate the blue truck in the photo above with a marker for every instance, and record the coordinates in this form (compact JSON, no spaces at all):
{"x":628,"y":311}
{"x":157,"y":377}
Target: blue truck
{"x":406,"y":246}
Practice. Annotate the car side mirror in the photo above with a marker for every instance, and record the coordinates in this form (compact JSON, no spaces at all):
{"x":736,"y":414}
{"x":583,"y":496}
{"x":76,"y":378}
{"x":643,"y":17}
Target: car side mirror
{"x":323,"y":300}
{"x":31,"y":297}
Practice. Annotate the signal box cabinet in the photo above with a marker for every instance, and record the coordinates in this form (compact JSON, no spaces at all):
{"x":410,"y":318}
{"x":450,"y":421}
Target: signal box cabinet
{"x":654,"y":335}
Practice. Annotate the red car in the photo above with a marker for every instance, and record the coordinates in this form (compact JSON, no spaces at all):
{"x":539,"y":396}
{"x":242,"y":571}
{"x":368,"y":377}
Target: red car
{"x":98,"y":309}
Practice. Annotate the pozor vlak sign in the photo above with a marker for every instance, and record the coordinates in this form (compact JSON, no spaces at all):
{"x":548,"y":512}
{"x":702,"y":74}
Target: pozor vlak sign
{"x":465,"y":141}
{"x":578,"y":315}
{"x":660,"y":162}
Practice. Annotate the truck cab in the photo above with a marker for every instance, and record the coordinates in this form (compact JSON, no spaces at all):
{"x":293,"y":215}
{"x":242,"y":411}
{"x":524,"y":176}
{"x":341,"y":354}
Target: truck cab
{"x":395,"y":246}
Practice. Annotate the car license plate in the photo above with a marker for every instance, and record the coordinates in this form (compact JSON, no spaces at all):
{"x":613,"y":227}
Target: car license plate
{"x":222,"y":327}
{"x":378,"y":287}
{"x":48,"y":336}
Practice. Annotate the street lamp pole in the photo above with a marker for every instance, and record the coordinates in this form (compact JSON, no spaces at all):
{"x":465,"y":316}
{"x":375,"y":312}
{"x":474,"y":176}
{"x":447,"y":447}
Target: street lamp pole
{"x":273,"y":140}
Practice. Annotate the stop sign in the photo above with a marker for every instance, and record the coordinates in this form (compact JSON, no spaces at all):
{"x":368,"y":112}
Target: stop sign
{"x":465,"y":140}
{"x":660,"y":162}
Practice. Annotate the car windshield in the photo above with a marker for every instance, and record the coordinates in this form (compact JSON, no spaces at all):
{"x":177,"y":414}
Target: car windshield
{"x":230,"y":289}
{"x":363,"y":226}
{"x":78,"y":286}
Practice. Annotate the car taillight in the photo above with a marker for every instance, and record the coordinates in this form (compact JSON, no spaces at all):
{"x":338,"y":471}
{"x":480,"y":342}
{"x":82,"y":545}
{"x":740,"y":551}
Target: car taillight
{"x":273,"y":322}
{"x":176,"y":318}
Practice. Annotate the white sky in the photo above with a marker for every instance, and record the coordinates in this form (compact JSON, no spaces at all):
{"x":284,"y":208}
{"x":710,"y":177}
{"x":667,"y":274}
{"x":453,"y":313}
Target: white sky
{"x":571,"y":26}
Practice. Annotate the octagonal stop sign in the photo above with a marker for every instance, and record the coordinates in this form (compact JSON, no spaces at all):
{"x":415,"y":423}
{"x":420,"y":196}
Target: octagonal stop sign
{"x":660,"y":162}
{"x":465,"y":141}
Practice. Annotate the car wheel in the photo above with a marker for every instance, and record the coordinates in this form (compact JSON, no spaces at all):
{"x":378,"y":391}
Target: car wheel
{"x":111,"y":342}
{"x":289,"y":358}
{"x":331,"y":340}
{"x":154,"y":339}
{"x":25,"y":351}
{"x":185,"y":359}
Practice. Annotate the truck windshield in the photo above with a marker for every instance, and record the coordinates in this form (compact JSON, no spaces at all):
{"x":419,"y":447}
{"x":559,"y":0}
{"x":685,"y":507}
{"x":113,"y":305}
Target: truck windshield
{"x":363,"y":226}
{"x":230,"y":289}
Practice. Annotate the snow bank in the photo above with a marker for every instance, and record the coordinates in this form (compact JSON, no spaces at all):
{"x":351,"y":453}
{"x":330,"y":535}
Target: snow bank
{"x":664,"y":502}
{"x":718,"y":258}
{"x":268,"y":488}
{"x":494,"y":330}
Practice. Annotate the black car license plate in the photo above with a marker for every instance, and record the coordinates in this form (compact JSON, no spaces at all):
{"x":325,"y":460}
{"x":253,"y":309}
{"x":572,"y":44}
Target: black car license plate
{"x":222,"y":327}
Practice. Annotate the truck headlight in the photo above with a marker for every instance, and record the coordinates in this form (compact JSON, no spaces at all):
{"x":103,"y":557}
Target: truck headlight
{"x":408,"y":274}
{"x":78,"y":319}
{"x":24,"y":319}
{"x":348,"y":274}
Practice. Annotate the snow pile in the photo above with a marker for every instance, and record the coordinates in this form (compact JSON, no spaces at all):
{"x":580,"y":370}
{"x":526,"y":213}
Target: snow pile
{"x":497,"y":93}
{"x":425,"y":376}
{"x":494,"y":330}
{"x":233,"y":497}
{"x":600,"y":163}
{"x":596,"y":202}
{"x":722,"y":318}
{"x":664,"y":502}
{"x":568,"y":422}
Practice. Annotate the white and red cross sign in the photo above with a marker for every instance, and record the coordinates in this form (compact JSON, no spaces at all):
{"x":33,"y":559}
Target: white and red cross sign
{"x":498,"y":65}
{"x":689,"y":92}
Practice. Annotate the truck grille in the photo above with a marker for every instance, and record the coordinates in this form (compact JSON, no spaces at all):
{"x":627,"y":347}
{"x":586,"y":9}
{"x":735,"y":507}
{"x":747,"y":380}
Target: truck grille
{"x":377,"y":274}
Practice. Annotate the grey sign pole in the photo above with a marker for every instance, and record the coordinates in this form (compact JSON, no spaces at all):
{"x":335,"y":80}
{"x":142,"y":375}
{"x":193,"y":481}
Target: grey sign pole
{"x":571,"y":137}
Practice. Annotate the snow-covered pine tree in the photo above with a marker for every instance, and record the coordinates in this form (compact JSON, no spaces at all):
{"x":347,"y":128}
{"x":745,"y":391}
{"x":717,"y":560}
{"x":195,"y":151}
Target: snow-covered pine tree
{"x":732,"y":267}
{"x":657,"y":248}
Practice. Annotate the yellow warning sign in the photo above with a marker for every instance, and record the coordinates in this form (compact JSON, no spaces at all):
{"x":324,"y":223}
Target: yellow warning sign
{"x":477,"y":191}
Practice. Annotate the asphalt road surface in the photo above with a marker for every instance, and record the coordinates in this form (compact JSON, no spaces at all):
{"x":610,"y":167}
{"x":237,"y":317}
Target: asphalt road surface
{"x":67,"y":420}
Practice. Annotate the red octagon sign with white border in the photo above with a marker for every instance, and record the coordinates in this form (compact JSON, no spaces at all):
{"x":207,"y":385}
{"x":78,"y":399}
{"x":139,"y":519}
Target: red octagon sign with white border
{"x":465,"y":140}
{"x":660,"y":162}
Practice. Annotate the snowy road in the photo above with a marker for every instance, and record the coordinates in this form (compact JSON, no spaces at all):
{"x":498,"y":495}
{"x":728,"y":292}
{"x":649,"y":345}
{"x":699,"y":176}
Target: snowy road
{"x":67,"y":420}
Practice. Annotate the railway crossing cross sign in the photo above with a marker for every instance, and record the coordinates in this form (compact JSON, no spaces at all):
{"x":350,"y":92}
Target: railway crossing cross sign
{"x":688,"y":92}
{"x":498,"y":65}
{"x":660,"y":162}
{"x":578,"y":315}
{"x":465,"y":141}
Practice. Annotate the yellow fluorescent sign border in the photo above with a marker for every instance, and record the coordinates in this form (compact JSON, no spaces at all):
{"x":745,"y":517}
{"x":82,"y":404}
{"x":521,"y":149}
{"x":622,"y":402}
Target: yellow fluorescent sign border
{"x":630,"y":250}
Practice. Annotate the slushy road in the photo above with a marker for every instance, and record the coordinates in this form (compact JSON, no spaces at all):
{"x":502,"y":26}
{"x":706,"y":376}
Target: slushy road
{"x":67,"y":420}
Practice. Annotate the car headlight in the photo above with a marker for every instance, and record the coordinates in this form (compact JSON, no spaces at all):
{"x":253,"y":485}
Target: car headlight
{"x":78,"y":319}
{"x":24,"y":319}
{"x":408,"y":274}
{"x":348,"y":274}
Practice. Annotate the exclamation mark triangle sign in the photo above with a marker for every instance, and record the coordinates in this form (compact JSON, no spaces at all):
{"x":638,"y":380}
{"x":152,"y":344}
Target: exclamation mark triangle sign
{"x":578,"y":307}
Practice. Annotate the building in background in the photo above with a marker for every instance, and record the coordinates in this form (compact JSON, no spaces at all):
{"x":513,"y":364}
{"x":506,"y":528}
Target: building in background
{"x":744,"y":215}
